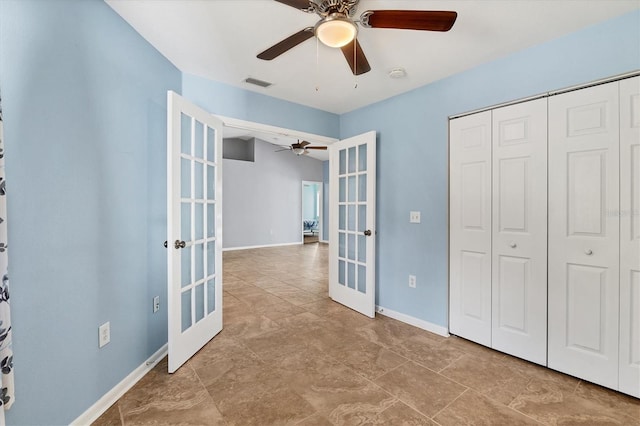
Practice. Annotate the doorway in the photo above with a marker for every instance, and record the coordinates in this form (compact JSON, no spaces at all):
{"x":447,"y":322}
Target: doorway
{"x":312,"y":207}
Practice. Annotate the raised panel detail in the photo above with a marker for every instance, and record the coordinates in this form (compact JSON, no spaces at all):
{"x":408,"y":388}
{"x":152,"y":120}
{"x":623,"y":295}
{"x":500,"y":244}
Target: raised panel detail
{"x":472,"y":274}
{"x":586,"y":301}
{"x":514,"y":188}
{"x":587,"y":119}
{"x":635,"y":111}
{"x":473,"y":137}
{"x":513,"y":286}
{"x":635,"y":193}
{"x":634,"y":350}
{"x":586,"y":193}
{"x":514,"y":131}
{"x":472,"y":194}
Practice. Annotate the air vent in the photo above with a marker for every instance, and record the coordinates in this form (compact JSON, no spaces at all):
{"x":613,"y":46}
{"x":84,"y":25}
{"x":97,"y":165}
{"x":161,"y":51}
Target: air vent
{"x":257,"y":82}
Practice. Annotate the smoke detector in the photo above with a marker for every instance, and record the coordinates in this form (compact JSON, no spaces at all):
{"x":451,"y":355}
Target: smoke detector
{"x":398,"y":73}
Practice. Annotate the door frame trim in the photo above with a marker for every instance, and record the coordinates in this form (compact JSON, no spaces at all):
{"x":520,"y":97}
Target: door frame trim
{"x":237,"y":123}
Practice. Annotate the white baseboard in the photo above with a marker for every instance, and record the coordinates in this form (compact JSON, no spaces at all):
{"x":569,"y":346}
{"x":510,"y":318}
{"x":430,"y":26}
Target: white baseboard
{"x":416,"y":322}
{"x":109,"y":398}
{"x":324,"y":241}
{"x":262,"y":246}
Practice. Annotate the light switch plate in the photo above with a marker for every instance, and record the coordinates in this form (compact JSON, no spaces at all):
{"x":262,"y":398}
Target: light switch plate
{"x":414,"y":217}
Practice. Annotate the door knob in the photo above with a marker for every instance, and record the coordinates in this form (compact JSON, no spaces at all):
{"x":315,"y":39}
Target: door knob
{"x":588,"y":252}
{"x":165,"y":244}
{"x":367,"y":232}
{"x":513,"y":245}
{"x":179,"y":244}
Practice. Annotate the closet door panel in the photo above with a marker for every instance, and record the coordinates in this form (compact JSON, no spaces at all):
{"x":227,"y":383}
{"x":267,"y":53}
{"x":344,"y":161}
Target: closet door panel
{"x":519,"y":240}
{"x":630,"y":236}
{"x":584,"y":233}
{"x":470,"y":227}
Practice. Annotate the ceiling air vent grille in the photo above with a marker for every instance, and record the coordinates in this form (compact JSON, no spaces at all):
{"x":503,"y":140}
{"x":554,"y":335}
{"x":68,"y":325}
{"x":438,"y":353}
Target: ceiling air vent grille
{"x":257,"y":82}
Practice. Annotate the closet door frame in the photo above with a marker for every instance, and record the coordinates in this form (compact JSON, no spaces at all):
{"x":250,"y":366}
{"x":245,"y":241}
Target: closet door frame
{"x":629,"y":368}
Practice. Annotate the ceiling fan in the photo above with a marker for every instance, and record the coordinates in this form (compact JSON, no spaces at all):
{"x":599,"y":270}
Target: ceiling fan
{"x":300,"y":148}
{"x":337,"y":28}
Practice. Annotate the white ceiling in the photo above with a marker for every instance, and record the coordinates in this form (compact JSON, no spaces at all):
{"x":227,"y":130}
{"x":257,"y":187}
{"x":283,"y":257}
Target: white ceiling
{"x":219,"y":40}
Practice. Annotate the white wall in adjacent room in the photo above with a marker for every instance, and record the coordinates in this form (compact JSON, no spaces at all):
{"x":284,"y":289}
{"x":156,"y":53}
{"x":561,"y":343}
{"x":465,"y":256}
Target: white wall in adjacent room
{"x":262,"y":200}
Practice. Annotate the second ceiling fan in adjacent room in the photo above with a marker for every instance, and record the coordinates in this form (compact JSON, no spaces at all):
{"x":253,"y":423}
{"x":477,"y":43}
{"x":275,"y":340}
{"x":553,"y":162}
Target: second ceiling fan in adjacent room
{"x":300,"y":148}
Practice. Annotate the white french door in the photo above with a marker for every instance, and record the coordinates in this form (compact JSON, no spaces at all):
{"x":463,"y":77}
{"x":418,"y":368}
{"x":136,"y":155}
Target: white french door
{"x":352,"y":183}
{"x":194,"y":228}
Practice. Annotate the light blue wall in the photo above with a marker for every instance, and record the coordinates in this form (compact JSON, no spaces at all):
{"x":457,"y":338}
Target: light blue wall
{"x":229,"y":101}
{"x":84,"y":102}
{"x":412,"y":150}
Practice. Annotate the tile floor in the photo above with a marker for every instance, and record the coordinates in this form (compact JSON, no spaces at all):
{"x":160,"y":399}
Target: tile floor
{"x":289,"y":355}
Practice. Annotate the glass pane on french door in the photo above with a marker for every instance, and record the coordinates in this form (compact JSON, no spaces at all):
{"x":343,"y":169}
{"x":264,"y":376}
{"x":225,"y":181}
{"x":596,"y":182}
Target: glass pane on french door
{"x":352,"y":205}
{"x":197,"y":220}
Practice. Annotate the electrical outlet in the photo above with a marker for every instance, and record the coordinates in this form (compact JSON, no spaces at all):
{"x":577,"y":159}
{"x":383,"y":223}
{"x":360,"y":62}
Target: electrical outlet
{"x":412,"y":281}
{"x":156,"y":304}
{"x":104,"y":334}
{"x":414,"y":217}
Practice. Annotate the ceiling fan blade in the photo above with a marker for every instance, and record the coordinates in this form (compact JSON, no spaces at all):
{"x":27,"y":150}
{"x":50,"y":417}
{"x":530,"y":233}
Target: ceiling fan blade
{"x":358,"y":63}
{"x":286,"y":44}
{"x":316,"y":147}
{"x":280,"y":150}
{"x":303,"y":144}
{"x":298,"y":4}
{"x":425,"y":20}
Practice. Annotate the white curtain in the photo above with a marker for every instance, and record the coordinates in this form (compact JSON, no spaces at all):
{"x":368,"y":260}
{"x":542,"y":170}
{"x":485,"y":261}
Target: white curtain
{"x":6,"y":353}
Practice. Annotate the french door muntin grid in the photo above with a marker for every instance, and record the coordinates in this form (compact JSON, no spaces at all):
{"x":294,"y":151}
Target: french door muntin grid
{"x":352,"y":217}
{"x":206,"y":238}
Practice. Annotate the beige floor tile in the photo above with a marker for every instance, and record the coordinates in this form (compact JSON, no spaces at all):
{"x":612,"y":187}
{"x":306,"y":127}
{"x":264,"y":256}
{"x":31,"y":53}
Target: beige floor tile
{"x":471,"y":408}
{"x":315,"y":420}
{"x":366,"y":358}
{"x":614,"y":400}
{"x":496,"y":380}
{"x":280,"y":310}
{"x":111,"y":417}
{"x":418,"y":387}
{"x":552,"y":404}
{"x":390,"y":333}
{"x":163,"y":398}
{"x":428,"y":352}
{"x":248,"y":326}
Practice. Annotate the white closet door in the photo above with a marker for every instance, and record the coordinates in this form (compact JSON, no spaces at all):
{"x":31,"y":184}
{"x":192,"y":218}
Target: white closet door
{"x":470,"y":227}
{"x":584,"y":233}
{"x":630,"y":236}
{"x":519,"y":246}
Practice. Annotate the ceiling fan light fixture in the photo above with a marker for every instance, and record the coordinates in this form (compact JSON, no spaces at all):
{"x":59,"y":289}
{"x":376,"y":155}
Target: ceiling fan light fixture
{"x":298,"y":151}
{"x":336,"y":30}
